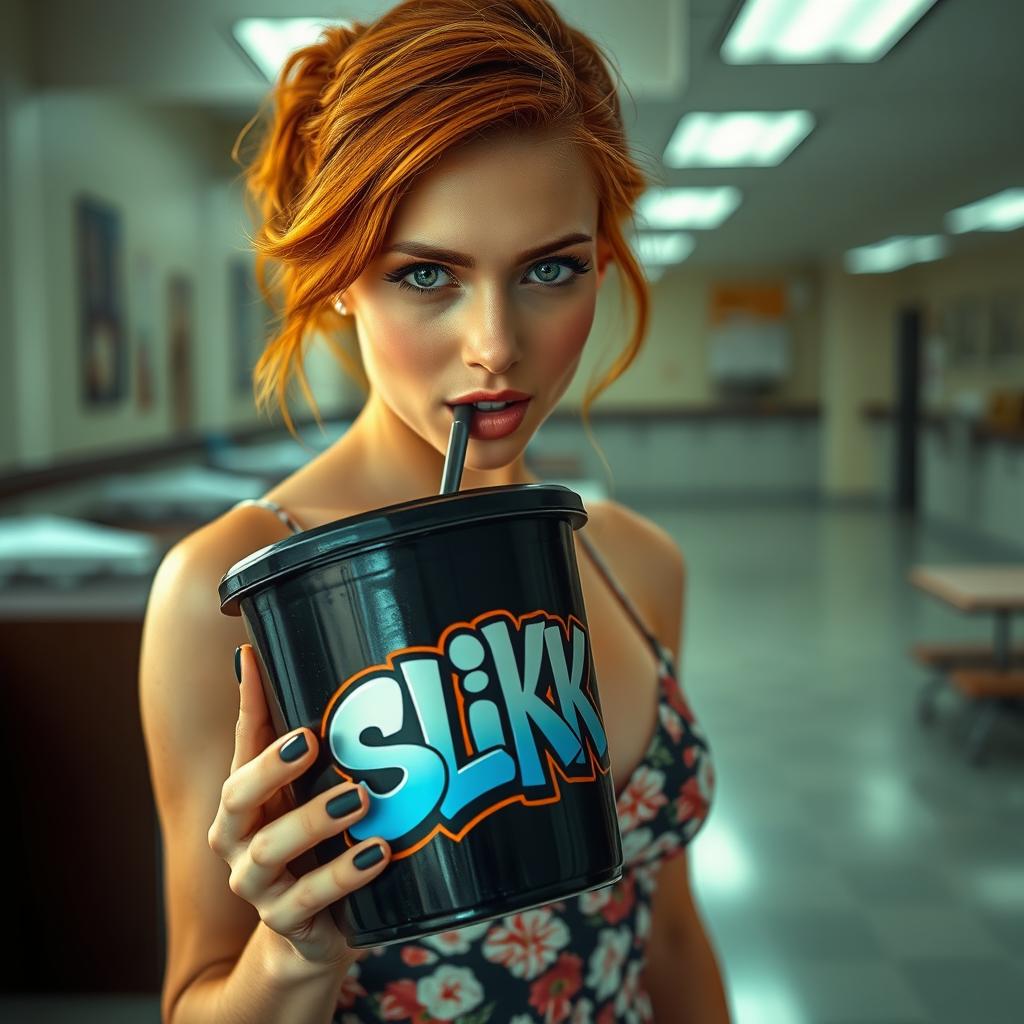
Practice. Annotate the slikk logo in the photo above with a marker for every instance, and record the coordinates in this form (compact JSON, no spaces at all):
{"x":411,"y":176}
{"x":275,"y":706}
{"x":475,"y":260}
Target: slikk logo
{"x":499,"y":711}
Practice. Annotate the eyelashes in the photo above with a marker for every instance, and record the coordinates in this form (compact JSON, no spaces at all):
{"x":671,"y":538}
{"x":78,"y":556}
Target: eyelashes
{"x":573,"y":263}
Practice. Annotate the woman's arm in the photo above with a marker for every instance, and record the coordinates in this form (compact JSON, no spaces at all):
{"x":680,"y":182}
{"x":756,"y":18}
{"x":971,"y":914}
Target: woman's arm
{"x":223,"y":963}
{"x":682,"y":974}
{"x":265,"y":984}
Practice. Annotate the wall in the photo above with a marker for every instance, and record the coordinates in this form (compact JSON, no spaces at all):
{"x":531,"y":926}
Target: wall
{"x":151,"y":163}
{"x":975,"y":486}
{"x":166,"y":171}
{"x":672,"y":367}
{"x":25,"y":423}
{"x":992,"y":264}
{"x":857,"y":366}
{"x":9,"y":82}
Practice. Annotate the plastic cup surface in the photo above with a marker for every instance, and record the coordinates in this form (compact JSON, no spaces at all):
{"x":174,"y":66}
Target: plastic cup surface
{"x":440,"y":650}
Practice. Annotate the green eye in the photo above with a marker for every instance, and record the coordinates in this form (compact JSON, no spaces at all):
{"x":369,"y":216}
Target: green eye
{"x":424,"y":275}
{"x":431,"y":272}
{"x":556,"y":267}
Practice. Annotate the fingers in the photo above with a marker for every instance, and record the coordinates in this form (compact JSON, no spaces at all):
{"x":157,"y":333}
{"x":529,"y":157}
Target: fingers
{"x":249,"y":787}
{"x":260,"y":845}
{"x":323,"y":886}
{"x":254,"y":729}
{"x":281,"y":841}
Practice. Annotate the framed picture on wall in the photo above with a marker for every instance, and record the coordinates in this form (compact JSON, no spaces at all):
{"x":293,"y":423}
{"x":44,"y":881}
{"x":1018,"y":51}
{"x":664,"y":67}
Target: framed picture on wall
{"x":103,"y":355}
{"x":179,"y":347}
{"x":1006,"y":327}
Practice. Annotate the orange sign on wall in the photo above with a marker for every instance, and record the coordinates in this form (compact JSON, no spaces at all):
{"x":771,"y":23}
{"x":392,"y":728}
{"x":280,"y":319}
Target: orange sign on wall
{"x":747,"y":302}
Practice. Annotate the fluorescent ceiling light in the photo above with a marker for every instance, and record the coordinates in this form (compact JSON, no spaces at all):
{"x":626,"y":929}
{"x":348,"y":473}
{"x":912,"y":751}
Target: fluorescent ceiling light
{"x":662,"y":248}
{"x":738,"y":139}
{"x":819,"y":31}
{"x":1002,"y":212}
{"x":270,"y":41}
{"x":895,"y":253}
{"x":687,"y":207}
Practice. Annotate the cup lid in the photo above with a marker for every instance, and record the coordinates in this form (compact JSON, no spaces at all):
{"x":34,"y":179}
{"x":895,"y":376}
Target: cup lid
{"x":391,"y":522}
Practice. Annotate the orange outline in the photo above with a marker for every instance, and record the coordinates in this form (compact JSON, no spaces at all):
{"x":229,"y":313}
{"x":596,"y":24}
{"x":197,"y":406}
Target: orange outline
{"x":554,"y":770}
{"x":460,"y":705}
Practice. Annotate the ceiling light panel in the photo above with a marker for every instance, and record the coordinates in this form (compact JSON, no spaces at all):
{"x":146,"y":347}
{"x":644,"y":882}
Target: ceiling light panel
{"x":819,"y":31}
{"x":737,"y":139}
{"x":270,"y":41}
{"x":662,"y":248}
{"x":1002,"y":212}
{"x":700,"y":208}
{"x":895,"y":253}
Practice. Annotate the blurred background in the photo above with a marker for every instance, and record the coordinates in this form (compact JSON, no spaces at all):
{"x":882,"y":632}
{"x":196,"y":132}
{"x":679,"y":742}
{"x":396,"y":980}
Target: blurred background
{"x":828,"y":415}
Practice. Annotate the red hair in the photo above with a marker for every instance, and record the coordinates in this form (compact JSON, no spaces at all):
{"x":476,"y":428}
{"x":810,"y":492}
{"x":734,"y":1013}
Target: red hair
{"x":360,"y":114}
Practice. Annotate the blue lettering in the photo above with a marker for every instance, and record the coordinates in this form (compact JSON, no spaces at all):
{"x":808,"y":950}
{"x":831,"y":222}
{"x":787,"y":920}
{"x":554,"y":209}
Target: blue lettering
{"x":378,"y":702}
{"x":511,"y":725}
{"x":481,"y":775}
{"x":525,"y":705}
{"x":576,"y":707}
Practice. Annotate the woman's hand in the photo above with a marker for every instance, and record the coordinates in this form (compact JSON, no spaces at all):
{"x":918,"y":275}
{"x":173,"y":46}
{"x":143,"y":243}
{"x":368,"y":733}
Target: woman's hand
{"x":258,"y":831}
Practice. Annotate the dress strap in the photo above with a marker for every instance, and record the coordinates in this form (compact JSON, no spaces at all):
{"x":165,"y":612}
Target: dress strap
{"x":281,"y":513}
{"x":624,"y":600}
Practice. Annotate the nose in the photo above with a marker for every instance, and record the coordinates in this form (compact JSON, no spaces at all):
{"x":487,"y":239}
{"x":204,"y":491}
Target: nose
{"x":490,"y":331}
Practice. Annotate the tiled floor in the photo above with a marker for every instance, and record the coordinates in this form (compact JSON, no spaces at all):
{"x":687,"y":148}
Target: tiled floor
{"x":855,"y":869}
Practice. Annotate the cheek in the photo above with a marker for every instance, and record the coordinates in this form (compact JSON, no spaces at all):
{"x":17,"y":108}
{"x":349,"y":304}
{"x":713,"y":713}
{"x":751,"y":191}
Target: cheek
{"x":566,"y":335}
{"x":402,"y":348}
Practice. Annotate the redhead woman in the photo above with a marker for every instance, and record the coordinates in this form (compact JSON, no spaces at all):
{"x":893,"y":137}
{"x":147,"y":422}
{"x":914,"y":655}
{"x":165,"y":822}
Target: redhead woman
{"x":447,"y":186}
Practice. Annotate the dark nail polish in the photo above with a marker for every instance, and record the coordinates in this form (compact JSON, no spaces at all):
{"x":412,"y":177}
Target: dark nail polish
{"x":344,"y":803}
{"x":367,"y":858}
{"x":294,"y":748}
{"x":238,"y":663}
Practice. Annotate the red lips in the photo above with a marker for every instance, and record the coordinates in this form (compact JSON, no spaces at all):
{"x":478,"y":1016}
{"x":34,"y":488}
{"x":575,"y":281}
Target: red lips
{"x":490,"y":396}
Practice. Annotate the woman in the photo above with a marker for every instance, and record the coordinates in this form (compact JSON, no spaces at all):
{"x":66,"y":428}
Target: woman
{"x":451,"y":180}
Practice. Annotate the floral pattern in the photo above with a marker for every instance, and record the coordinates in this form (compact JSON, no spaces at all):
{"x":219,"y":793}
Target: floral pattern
{"x":526,"y":943}
{"x":578,"y":961}
{"x":643,"y":796}
{"x":606,"y":961}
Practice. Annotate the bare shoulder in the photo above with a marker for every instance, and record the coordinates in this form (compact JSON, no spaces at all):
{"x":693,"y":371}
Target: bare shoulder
{"x":643,"y":535}
{"x":650,"y":564}
{"x":188,"y":700}
{"x":185,"y":585}
{"x":187,"y":642}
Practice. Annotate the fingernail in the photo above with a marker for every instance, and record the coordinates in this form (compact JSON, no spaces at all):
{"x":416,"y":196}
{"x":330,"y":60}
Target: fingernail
{"x":344,"y":803}
{"x":238,"y":663}
{"x":367,"y":858}
{"x":294,"y":748}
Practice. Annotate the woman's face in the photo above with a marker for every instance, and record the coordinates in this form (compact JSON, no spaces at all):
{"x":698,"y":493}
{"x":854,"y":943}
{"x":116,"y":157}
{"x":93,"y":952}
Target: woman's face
{"x":509,"y":305}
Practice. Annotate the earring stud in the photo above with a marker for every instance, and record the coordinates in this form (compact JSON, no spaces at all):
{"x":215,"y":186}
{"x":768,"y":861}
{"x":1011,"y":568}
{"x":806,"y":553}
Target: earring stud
{"x":341,"y":307}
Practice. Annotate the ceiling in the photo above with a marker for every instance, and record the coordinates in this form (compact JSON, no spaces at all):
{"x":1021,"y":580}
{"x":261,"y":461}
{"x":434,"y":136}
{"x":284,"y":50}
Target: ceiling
{"x":935,"y":124}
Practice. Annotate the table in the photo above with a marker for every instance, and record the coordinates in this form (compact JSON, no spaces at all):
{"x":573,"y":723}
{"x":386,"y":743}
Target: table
{"x":990,"y":681}
{"x":72,"y":604}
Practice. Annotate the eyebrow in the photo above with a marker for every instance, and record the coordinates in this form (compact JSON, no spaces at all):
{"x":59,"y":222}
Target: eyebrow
{"x":431,"y":252}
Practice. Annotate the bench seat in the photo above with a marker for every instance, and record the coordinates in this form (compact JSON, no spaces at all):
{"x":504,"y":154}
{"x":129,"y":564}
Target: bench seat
{"x":980,"y":683}
{"x":963,"y":655}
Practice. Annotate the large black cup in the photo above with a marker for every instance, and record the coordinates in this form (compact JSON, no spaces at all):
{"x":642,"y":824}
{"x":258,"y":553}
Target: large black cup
{"x":439,"y":648}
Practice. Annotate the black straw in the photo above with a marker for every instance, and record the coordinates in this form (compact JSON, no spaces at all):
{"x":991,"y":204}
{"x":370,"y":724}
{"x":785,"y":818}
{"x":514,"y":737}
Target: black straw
{"x":458,"y":442}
